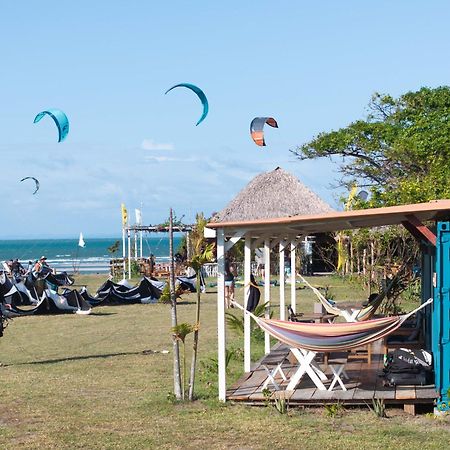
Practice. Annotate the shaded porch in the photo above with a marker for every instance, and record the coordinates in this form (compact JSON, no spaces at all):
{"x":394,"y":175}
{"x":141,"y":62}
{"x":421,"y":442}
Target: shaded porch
{"x":363,"y":383}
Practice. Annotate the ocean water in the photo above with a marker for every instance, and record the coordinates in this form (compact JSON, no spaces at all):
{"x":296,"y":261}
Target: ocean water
{"x":66,"y":255}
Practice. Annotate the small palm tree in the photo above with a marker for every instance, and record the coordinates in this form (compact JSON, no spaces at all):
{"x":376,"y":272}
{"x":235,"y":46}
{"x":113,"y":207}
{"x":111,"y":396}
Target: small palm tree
{"x":180,"y":332}
{"x":202,"y":252}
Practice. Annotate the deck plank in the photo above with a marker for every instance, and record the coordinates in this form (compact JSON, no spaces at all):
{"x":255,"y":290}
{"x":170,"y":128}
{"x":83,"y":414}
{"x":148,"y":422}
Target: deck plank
{"x":363,"y":384}
{"x":405,"y":393}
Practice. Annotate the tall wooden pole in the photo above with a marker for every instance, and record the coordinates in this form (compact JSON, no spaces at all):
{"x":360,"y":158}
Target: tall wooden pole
{"x":173,"y":300}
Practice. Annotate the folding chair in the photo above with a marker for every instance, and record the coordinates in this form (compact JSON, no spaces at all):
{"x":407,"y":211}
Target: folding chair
{"x":339,"y":372}
{"x":271,"y":374}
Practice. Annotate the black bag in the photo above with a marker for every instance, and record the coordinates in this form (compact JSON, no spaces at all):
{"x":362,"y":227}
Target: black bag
{"x":406,"y":378}
{"x":408,"y":367}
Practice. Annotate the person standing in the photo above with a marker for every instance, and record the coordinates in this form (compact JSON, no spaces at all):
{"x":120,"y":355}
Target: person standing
{"x":229,"y":284}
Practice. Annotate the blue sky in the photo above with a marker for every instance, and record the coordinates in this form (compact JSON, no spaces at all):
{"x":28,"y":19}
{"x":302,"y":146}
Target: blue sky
{"x":311,"y":65}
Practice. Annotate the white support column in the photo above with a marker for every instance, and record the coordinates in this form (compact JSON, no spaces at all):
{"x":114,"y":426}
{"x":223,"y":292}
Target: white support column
{"x":129,"y":254}
{"x":247,"y":273}
{"x":221,"y":341}
{"x":293,"y":270}
{"x":135,"y":246}
{"x":140,"y":244}
{"x":267,"y":291}
{"x":282,"y":284}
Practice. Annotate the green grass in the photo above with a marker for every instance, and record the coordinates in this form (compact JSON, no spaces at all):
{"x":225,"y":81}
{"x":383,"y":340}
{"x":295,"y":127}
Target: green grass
{"x":73,"y":381}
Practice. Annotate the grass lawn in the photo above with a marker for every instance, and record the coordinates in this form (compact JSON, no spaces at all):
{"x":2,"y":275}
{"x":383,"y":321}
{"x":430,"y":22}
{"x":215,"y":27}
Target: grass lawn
{"x":72,"y":381}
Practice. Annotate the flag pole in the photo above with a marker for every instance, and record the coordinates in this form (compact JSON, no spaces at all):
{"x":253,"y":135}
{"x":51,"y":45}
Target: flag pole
{"x":129,"y":253}
{"x":123,"y":251}
{"x":140,"y":235}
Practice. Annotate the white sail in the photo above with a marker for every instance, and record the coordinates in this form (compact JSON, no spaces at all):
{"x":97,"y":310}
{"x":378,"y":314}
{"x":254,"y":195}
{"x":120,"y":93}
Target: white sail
{"x":81,"y":242}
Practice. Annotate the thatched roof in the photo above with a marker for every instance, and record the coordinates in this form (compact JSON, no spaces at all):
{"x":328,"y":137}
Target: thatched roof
{"x":272,"y":195}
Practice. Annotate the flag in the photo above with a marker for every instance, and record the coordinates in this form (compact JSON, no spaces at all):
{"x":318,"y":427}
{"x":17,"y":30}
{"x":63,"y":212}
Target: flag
{"x":124,"y":215}
{"x":138,"y":214}
{"x":81,"y":242}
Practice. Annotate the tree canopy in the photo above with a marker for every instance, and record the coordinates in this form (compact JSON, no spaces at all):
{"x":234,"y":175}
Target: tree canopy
{"x":401,"y":152}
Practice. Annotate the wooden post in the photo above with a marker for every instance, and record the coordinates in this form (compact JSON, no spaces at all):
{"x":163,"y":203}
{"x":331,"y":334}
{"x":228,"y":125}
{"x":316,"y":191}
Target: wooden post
{"x":221,"y":314}
{"x":267,"y":291}
{"x":247,"y":273}
{"x":364,"y":261}
{"x":282,"y":283}
{"x":351,"y":256}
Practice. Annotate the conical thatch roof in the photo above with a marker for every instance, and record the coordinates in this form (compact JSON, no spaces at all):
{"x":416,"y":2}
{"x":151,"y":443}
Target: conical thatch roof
{"x":271,"y":195}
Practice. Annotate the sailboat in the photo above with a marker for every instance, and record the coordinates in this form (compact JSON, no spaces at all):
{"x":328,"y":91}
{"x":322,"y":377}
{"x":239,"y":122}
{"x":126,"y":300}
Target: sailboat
{"x":76,"y":262}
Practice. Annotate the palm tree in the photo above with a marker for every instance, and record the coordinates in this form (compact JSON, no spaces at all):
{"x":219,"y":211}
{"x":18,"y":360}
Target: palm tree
{"x":173,"y":301}
{"x":180,"y":332}
{"x":202,"y":252}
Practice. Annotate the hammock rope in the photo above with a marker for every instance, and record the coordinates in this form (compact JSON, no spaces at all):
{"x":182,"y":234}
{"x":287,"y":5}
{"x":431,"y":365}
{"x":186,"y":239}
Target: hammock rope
{"x":362,"y":314}
{"x":327,"y":337}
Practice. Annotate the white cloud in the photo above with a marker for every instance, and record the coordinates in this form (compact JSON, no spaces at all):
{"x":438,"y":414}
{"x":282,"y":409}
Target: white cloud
{"x":169,"y":158}
{"x":150,"y":144}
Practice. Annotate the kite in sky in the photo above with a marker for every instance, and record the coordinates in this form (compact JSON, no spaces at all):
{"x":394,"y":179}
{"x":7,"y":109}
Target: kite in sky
{"x":35,"y":181}
{"x":257,"y":126}
{"x":201,"y":95}
{"x":60,"y":119}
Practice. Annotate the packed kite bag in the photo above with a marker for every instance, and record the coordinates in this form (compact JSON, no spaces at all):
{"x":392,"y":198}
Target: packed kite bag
{"x":407,"y":366}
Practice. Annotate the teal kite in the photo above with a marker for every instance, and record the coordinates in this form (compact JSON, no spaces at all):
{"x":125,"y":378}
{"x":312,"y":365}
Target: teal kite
{"x":36,"y":182}
{"x":201,"y":95}
{"x":60,"y":119}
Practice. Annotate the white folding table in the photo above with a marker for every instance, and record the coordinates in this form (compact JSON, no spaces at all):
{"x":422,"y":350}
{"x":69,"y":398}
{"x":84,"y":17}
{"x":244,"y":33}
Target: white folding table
{"x":308,"y":366}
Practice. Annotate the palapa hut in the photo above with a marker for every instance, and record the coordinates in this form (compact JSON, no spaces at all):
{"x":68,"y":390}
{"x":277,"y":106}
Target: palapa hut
{"x":271,"y":195}
{"x":275,"y":210}
{"x":277,"y":194}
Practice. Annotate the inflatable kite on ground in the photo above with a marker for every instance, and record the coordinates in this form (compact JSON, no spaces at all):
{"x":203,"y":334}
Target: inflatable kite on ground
{"x":256,"y":128}
{"x":60,"y":119}
{"x":35,"y":180}
{"x":201,"y":95}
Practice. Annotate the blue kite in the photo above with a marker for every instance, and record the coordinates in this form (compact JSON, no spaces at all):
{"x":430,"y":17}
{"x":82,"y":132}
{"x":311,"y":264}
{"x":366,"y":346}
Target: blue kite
{"x":201,"y":95}
{"x":61,"y":121}
{"x":36,"y":181}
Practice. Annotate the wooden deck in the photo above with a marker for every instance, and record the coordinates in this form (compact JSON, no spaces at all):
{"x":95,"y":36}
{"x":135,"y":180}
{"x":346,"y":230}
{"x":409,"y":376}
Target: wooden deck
{"x":363,"y":385}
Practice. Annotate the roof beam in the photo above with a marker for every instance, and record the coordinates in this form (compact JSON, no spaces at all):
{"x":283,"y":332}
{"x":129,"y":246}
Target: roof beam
{"x":418,"y":229}
{"x":233,"y":240}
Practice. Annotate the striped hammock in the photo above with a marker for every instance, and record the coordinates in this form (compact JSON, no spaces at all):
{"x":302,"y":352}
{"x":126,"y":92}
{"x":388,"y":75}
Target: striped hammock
{"x":360,"y":315}
{"x":328,"y":337}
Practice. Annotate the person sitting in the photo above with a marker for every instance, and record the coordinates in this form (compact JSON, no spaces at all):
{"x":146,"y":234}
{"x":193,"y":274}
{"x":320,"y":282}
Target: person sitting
{"x":17,"y":269}
{"x":41,"y":268}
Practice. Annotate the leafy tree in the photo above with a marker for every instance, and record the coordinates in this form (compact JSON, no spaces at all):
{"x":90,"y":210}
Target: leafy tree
{"x":113,"y":249}
{"x":401,"y":152}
